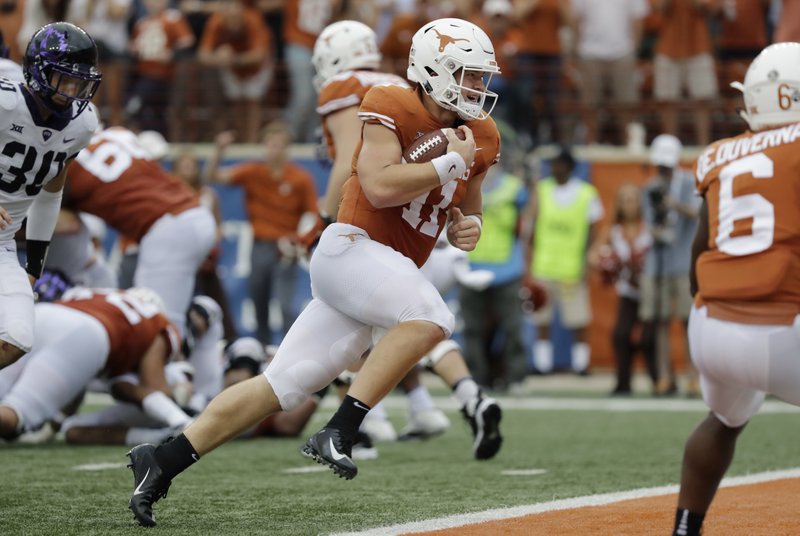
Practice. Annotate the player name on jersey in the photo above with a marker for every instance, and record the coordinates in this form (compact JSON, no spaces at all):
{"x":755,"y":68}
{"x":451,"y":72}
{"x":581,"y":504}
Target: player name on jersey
{"x":727,"y":151}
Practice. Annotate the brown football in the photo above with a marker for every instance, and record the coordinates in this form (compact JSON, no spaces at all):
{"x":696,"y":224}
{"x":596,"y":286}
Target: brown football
{"x":428,"y":146}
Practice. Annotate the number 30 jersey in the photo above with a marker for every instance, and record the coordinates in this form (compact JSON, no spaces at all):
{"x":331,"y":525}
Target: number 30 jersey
{"x":751,"y":183}
{"x":411,"y":229}
{"x":33,"y":151}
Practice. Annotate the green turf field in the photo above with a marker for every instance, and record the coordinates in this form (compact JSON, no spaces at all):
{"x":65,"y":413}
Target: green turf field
{"x":243,"y":488}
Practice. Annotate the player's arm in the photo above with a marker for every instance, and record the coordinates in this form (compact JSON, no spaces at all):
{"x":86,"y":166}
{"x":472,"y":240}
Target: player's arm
{"x":466,"y":220}
{"x":213,"y":172}
{"x":699,"y":245}
{"x":42,"y":218}
{"x":151,"y":392}
{"x":345,"y":128}
{"x":389,"y":183}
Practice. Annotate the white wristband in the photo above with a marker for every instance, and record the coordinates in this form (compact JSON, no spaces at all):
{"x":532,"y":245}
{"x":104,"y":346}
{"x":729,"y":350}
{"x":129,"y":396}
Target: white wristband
{"x":449,"y":167}
{"x":477,"y":220}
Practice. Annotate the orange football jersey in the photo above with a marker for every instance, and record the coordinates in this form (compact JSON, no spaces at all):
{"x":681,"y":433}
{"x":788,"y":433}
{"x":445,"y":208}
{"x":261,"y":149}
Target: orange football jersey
{"x":116,"y":180}
{"x":751,"y":183}
{"x":132,"y":326}
{"x":411,"y":229}
{"x":346,"y":90}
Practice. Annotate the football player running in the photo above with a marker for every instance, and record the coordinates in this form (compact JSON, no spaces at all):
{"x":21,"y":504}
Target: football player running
{"x":744,"y":329}
{"x":43,"y":125}
{"x":346,"y":58}
{"x":365,"y":271}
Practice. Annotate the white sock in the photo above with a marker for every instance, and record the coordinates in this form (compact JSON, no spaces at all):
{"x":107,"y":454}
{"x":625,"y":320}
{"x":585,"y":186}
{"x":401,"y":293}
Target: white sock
{"x":137,"y":436}
{"x":466,"y":390}
{"x":378,"y":412}
{"x":163,"y":409}
{"x":543,"y":356}
{"x":581,"y":354}
{"x":419,"y":399}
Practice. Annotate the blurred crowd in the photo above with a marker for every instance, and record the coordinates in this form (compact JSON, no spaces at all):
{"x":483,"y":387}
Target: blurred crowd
{"x":574,"y":71}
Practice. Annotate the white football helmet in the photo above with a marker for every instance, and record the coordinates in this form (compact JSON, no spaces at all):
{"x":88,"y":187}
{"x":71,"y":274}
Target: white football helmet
{"x":154,"y":143}
{"x":344,"y":46}
{"x":442,"y":52}
{"x":772,"y":87}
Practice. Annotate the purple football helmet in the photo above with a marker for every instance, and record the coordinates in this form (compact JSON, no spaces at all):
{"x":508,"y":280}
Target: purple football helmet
{"x":60,"y":68}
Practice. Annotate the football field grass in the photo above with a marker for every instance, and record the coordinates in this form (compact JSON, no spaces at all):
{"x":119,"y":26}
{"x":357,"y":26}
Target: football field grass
{"x":265,"y":487}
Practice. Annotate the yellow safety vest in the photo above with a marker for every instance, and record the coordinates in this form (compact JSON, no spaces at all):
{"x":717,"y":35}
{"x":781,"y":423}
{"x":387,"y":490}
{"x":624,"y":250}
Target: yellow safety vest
{"x":561,"y":233}
{"x":500,"y":214}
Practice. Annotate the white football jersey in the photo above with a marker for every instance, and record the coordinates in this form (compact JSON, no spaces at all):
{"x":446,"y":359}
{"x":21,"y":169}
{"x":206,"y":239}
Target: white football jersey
{"x":11,"y":70}
{"x":33,"y":151}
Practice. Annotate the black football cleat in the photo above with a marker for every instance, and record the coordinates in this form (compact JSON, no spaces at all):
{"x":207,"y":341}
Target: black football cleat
{"x":329,"y":447}
{"x":149,"y":482}
{"x":483,"y":416}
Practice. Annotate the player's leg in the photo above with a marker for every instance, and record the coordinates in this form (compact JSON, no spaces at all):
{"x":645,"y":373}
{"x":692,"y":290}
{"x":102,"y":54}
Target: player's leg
{"x":425,"y":419}
{"x":169,"y":256}
{"x":73,"y":349}
{"x":482,"y":413}
{"x":16,"y":309}
{"x":320,"y":344}
{"x":733,"y":361}
{"x":378,"y":286}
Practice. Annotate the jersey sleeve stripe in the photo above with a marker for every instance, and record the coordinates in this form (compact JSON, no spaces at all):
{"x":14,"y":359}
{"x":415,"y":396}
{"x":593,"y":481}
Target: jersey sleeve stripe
{"x":383,"y":119}
{"x":339,"y":104}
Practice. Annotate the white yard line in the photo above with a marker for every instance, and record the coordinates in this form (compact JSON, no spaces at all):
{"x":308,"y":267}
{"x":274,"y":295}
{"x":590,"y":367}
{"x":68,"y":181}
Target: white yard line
{"x":498,"y":514}
{"x":544,"y":403}
{"x":614,"y":405}
{"x":99,"y":466}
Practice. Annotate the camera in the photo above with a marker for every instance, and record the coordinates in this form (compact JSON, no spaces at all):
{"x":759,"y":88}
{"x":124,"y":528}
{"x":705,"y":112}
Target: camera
{"x":657,"y":198}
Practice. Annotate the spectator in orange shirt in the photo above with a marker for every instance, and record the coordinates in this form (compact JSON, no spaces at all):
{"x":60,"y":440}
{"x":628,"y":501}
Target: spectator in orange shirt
{"x":237,"y":41}
{"x":495,"y":20}
{"x":397,"y":43}
{"x":157,"y":39}
{"x":303,"y":20}
{"x":277,"y":194}
{"x":788,"y":26}
{"x":539,"y":61}
{"x":683,"y":59}
{"x":743,"y":33}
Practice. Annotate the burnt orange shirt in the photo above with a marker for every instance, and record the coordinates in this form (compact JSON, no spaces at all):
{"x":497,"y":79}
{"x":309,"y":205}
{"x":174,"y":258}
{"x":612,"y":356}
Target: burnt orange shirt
{"x":751,"y":183}
{"x":789,"y":24}
{"x":745,"y":27}
{"x":256,"y":36}
{"x":346,"y":90}
{"x":684,"y":32}
{"x":153,"y":36}
{"x":397,"y":43}
{"x":411,"y":229}
{"x":540,"y":27}
{"x":114,"y":179}
{"x":275,"y":204}
{"x":132,"y":327}
{"x":506,"y":44}
{"x":304,"y":20}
